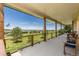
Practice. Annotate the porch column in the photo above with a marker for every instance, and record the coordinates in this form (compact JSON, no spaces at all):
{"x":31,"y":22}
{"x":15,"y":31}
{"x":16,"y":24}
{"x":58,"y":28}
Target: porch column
{"x":44,"y":28}
{"x":2,"y":47}
{"x":72,"y":25}
{"x":55,"y":28}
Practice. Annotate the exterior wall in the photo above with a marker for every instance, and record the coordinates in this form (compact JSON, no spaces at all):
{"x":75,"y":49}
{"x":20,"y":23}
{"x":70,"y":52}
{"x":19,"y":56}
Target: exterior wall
{"x":76,"y":25}
{"x":2,"y":47}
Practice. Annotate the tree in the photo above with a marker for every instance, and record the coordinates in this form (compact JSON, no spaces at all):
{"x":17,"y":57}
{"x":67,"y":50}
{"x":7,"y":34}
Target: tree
{"x":67,"y":28}
{"x":17,"y":34}
{"x":61,"y":31}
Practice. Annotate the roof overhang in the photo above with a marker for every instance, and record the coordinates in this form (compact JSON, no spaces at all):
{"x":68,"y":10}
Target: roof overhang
{"x":63,"y":13}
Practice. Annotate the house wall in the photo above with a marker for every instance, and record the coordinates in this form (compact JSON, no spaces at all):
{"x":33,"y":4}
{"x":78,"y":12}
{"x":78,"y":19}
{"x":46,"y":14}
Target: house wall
{"x":76,"y":25}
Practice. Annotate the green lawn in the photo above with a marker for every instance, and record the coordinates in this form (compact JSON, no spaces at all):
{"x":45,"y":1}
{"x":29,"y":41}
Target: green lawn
{"x":12,"y":47}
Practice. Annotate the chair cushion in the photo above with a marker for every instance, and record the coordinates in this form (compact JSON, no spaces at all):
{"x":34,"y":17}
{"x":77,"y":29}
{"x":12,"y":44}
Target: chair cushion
{"x":71,"y":45}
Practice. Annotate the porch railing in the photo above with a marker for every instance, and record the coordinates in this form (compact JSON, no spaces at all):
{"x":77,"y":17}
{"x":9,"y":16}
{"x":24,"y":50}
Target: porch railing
{"x":33,"y":39}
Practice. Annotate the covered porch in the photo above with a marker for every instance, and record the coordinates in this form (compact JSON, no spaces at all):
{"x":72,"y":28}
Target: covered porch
{"x":64,"y":14}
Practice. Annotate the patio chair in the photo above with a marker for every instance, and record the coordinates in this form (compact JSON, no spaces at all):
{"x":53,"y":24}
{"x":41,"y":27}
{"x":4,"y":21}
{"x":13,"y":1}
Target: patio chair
{"x":70,"y":45}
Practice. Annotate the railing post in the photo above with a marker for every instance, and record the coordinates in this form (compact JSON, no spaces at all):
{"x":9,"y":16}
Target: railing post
{"x":32,"y":41}
{"x":30,"y":37}
{"x":44,"y":28}
{"x":51,"y":35}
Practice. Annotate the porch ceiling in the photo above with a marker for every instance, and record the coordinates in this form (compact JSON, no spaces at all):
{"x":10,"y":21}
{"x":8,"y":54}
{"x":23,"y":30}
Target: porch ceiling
{"x":62,"y":12}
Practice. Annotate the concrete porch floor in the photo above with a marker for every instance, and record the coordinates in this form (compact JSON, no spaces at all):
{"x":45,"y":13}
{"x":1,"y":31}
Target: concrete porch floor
{"x":53,"y":47}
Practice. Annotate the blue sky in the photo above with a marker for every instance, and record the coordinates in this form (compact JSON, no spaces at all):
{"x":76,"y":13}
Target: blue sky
{"x":24,"y":21}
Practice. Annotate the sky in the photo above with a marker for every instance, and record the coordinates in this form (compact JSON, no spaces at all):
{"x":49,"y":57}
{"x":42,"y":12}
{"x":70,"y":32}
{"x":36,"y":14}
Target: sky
{"x":14,"y":18}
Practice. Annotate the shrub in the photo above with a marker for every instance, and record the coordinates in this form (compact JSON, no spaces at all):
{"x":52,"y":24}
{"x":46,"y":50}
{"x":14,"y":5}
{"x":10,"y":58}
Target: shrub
{"x":17,"y":34}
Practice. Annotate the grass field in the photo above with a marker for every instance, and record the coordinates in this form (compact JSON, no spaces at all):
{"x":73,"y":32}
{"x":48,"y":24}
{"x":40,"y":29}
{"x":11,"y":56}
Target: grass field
{"x":12,"y":47}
